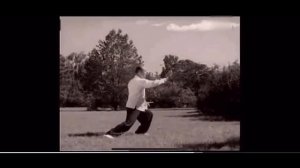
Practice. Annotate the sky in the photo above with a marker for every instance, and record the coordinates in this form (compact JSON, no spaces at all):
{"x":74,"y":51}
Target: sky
{"x":206,"y":40}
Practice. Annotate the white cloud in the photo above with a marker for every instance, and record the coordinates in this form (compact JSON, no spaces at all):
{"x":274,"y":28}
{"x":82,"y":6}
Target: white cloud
{"x":158,"y":24}
{"x":142,"y":22}
{"x":204,"y":25}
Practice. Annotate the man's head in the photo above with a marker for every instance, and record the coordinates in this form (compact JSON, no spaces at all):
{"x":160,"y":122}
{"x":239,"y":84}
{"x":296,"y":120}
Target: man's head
{"x":141,"y":72}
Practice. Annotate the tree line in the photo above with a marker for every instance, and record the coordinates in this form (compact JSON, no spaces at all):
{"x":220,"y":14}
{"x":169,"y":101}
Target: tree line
{"x":99,"y":79}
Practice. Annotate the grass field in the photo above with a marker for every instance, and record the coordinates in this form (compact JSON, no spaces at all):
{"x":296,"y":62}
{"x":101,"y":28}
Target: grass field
{"x":184,"y":129}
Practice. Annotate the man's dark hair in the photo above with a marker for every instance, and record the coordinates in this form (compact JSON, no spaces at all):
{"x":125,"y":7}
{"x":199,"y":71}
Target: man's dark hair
{"x":138,"y":69}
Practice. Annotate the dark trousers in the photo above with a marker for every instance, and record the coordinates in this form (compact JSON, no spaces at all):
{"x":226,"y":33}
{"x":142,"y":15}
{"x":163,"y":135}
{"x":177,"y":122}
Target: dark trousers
{"x":144,"y":118}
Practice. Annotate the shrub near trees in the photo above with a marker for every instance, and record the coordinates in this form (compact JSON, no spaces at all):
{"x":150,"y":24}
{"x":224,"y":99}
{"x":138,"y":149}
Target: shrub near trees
{"x":220,"y":95}
{"x":217,"y":91}
{"x":170,"y":94}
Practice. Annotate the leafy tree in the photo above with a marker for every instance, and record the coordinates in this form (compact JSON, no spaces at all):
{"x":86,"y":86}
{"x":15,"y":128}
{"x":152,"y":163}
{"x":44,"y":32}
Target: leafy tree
{"x":70,"y":87}
{"x":169,"y":62}
{"x":64,"y":80}
{"x":188,"y":74}
{"x":92,"y":79}
{"x":109,"y":68}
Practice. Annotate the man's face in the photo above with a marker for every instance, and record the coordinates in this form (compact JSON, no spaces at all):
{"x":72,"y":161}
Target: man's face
{"x":143,"y":73}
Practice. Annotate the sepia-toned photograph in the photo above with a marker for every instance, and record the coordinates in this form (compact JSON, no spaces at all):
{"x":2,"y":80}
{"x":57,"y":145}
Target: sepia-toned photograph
{"x":150,"y":83}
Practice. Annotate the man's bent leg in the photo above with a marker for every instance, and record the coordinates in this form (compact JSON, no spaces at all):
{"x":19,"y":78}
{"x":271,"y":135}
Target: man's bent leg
{"x":145,"y":119}
{"x":132,"y":115}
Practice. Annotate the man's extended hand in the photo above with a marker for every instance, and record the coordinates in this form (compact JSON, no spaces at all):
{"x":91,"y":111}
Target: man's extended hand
{"x":148,"y":103}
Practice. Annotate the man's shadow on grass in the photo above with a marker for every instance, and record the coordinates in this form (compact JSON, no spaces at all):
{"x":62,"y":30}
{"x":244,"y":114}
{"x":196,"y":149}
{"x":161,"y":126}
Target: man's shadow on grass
{"x":231,"y":144}
{"x":94,"y":134}
{"x":87,"y":134}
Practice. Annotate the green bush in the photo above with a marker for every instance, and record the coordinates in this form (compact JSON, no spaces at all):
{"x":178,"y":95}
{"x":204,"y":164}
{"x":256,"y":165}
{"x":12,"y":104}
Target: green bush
{"x":220,"y":95}
{"x":171,"y":95}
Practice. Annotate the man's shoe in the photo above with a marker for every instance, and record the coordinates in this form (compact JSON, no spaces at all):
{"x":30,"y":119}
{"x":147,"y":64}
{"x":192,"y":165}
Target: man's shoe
{"x":108,"y":136}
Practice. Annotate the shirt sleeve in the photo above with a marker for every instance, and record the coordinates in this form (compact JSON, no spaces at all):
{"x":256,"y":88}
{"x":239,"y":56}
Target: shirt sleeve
{"x":152,"y":83}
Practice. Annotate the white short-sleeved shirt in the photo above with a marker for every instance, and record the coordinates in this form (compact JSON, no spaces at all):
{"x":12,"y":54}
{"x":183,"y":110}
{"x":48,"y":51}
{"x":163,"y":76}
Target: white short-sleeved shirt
{"x":136,"y":89}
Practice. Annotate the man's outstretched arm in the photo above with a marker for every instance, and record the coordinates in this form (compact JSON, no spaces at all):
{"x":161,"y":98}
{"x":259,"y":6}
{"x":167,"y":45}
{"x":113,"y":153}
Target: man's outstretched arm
{"x":152,"y":83}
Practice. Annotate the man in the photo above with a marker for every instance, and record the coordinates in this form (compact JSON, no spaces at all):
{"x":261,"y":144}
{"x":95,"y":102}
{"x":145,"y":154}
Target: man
{"x":136,"y":106}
